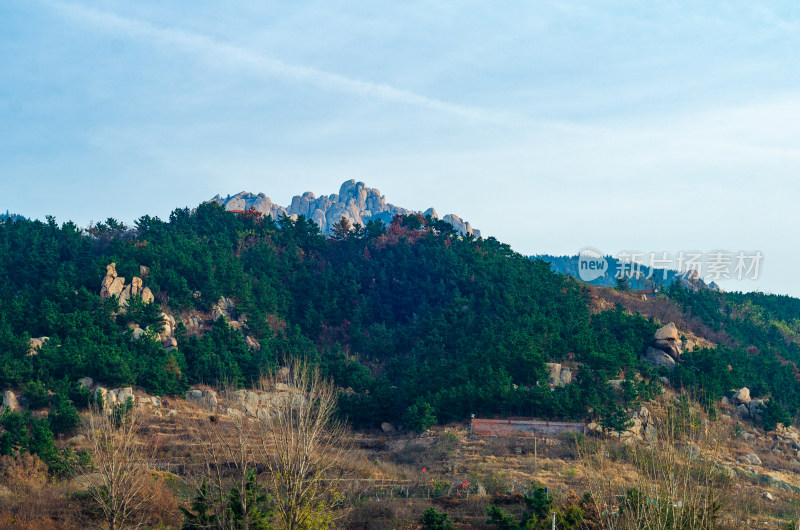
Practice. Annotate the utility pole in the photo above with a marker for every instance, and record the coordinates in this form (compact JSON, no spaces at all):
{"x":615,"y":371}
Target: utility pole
{"x":535,"y":461}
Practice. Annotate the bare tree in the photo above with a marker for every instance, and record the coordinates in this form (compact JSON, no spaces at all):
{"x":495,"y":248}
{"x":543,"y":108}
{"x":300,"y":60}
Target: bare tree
{"x":224,"y":446}
{"x":118,"y":476}
{"x":303,"y":447}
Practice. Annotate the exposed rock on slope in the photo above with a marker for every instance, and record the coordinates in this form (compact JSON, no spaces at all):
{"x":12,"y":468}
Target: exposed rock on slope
{"x":36,"y":344}
{"x":666,"y":348}
{"x":113,"y":285}
{"x":10,"y":400}
{"x":559,"y":375}
{"x":355,"y":202}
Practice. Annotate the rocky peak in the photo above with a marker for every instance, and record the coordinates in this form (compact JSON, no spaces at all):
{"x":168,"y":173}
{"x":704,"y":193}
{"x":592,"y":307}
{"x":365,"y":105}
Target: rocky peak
{"x":355,"y":202}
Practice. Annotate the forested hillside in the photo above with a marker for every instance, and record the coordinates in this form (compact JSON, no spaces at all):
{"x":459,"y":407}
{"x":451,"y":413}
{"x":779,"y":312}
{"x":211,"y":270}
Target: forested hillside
{"x":415,"y":323}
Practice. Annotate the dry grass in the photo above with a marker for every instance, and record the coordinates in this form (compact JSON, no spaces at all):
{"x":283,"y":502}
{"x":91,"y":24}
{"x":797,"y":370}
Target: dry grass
{"x":29,"y":499}
{"x":386,"y":487}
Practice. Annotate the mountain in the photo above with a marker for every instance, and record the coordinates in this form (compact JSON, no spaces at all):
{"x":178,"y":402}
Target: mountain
{"x":415,"y":321}
{"x":355,"y":202}
{"x":12,"y":216}
{"x":415,"y":326}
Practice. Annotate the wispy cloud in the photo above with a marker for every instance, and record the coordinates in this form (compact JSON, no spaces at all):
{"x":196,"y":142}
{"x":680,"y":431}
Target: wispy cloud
{"x":220,"y":52}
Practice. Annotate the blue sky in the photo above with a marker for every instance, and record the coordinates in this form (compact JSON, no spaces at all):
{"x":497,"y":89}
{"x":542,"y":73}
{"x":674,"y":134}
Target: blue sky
{"x":549,"y":125}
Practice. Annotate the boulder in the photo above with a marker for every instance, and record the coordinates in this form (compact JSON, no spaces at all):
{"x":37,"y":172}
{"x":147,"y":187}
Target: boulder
{"x":743,"y":411}
{"x":204,"y":398}
{"x":10,"y":400}
{"x":669,"y":346}
{"x":123,"y":394}
{"x":170,"y":342}
{"x":753,"y":459}
{"x":136,"y":285}
{"x":172,"y":413}
{"x":144,"y":272}
{"x":112,"y":288}
{"x":124,"y":296}
{"x":101,"y":393}
{"x":147,"y":295}
{"x":594,"y":427}
{"x":224,"y":307}
{"x":659,"y":358}
{"x":211,"y":400}
{"x":650,"y":433}
{"x":252,"y":343}
{"x":194,"y":395}
{"x":386,"y":427}
{"x":137,"y":333}
{"x":86,"y":382}
{"x":636,"y":426}
{"x":741,"y":396}
{"x":109,"y":280}
{"x":36,"y":344}
{"x":251,"y":402}
{"x":558,"y":375}
{"x":554,"y":375}
{"x":168,"y":323}
{"x":642,"y":425}
{"x":670,"y":331}
{"x":234,"y":413}
{"x":105,"y":284}
{"x":667,"y":339}
{"x":754,"y":407}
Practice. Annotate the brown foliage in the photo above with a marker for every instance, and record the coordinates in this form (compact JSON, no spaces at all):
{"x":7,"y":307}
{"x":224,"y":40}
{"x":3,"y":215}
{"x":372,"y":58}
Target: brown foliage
{"x":28,"y":499}
{"x":662,"y":309}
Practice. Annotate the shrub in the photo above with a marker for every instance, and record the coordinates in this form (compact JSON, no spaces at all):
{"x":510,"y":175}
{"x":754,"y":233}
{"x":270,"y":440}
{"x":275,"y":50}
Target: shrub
{"x":435,"y":520}
{"x":63,"y":415}
{"x":419,"y":416}
{"x":37,"y":395}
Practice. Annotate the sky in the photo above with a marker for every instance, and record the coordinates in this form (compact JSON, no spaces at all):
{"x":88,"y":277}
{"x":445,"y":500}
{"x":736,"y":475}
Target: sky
{"x":550,"y":125}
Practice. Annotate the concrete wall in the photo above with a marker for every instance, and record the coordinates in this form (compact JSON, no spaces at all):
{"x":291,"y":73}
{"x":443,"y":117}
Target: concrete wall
{"x":513,"y":428}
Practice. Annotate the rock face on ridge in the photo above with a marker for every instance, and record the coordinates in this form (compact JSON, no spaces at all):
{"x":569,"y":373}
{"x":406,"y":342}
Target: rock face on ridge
{"x":113,"y":285}
{"x":355,"y":202}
